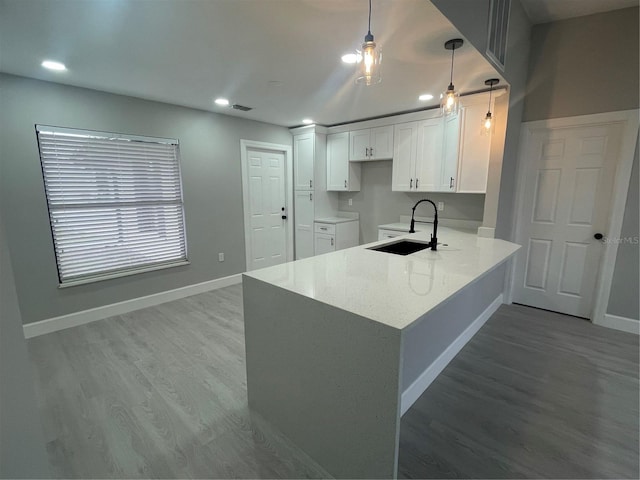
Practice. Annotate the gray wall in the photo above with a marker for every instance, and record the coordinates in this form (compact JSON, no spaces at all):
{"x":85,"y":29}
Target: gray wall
{"x":470,"y":17}
{"x":210,"y":160}
{"x":624,"y":300}
{"x":378,"y":205}
{"x":583,"y":65}
{"x":589,"y":65}
{"x":22,"y":448}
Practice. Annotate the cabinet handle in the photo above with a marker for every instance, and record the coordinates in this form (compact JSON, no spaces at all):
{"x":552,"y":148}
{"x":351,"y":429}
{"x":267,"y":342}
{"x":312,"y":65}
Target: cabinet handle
{"x":417,"y":182}
{"x":323,"y":228}
{"x":366,"y":151}
{"x":345,"y":184}
{"x":410,"y":184}
{"x":451,"y":183}
{"x":310,"y":183}
{"x":332,"y":241}
{"x":311,"y":196}
{"x":371,"y":152}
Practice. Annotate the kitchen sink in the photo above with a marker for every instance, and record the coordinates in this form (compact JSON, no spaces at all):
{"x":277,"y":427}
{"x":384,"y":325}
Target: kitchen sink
{"x":402,"y":247}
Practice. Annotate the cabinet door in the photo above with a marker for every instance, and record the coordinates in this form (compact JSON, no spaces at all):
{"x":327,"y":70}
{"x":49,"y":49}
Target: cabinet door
{"x":324,"y":243}
{"x":405,"y":139}
{"x":428,"y":176}
{"x":475,"y":149}
{"x":338,"y":162}
{"x":359,"y":145}
{"x":303,"y":155}
{"x":304,"y":217}
{"x":381,"y":143}
{"x":451,"y":148}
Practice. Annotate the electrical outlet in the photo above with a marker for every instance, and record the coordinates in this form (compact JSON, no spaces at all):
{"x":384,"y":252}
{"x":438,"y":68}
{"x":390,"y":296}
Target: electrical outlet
{"x":351,"y":202}
{"x":221,"y":257}
{"x":440,"y":206}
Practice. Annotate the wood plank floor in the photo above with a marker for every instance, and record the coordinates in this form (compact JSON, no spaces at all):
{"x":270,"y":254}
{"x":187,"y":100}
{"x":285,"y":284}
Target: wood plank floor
{"x":161,"y":393}
{"x":158,"y":393}
{"x":534,"y":394}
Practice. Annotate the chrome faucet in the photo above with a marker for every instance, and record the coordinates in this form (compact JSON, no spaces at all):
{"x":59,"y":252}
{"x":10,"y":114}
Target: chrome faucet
{"x":434,"y":236}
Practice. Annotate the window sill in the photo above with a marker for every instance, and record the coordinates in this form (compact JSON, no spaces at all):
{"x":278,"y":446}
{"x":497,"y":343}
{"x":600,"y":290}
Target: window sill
{"x":124,"y":273}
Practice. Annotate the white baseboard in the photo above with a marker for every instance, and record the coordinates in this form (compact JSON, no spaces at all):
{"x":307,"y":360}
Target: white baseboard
{"x":418,"y":387}
{"x":620,"y":323}
{"x":86,"y":316}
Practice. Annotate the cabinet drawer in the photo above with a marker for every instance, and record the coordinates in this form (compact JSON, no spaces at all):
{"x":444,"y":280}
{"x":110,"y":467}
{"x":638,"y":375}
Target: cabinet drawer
{"x":328,"y":228}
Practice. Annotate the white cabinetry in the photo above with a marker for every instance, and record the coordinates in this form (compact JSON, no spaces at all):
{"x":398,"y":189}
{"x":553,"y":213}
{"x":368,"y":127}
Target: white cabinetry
{"x":417,"y":161}
{"x":450,"y":149}
{"x":475,"y":149}
{"x":303,"y":160}
{"x":371,"y":144}
{"x":304,"y":216}
{"x":335,"y":236}
{"x":311,"y":199}
{"x":342,"y":175}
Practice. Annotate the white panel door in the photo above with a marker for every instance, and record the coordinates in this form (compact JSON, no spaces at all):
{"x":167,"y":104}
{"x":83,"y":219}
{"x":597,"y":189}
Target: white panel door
{"x":405,"y":150}
{"x":567,"y":192}
{"x":305,"y":217}
{"x":267,"y":199}
{"x":338,"y":162}
{"x":303,"y":156}
{"x":429,"y":157}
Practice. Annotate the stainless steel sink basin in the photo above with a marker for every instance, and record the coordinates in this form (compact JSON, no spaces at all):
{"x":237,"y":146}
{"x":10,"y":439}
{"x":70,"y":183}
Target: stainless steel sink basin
{"x":401,"y":247}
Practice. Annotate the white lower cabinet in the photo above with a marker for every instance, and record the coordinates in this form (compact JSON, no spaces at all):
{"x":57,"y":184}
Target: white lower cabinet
{"x":304,"y":217}
{"x":330,"y":237}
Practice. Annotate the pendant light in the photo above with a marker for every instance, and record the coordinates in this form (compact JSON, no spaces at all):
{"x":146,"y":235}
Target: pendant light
{"x":489,"y":120}
{"x":371,"y":56}
{"x":451,"y":98}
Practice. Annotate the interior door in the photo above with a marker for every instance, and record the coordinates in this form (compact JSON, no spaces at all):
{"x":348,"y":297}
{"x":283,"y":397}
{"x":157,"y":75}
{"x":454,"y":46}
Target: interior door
{"x":567,"y":192}
{"x":267,"y":198}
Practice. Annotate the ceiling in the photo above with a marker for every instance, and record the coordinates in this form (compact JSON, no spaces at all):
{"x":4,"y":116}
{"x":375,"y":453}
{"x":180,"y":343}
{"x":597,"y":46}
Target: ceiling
{"x":543,"y":11}
{"x":281,"y":57}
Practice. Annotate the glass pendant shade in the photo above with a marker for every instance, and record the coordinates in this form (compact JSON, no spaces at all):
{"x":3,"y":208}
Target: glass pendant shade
{"x":371,"y":55}
{"x":487,"y":124}
{"x":450,"y":101}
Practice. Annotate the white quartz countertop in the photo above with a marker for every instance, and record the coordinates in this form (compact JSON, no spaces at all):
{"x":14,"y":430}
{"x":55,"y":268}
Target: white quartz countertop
{"x":394,"y":290}
{"x":335,"y":220}
{"x":404,"y":227}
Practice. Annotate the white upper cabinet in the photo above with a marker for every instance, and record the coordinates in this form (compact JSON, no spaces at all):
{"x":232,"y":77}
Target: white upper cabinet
{"x":342,"y":176}
{"x":450,"y":150}
{"x":371,"y":144}
{"x":475,"y":148}
{"x":303,"y":158}
{"x":404,"y":156}
{"x":417,"y":159}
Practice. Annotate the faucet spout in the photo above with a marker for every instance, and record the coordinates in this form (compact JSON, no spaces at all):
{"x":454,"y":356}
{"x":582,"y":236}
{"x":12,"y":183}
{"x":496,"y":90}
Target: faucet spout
{"x":434,"y":236}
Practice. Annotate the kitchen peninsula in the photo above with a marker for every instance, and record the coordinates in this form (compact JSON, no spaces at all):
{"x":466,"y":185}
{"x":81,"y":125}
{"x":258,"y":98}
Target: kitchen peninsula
{"x":340,"y":345}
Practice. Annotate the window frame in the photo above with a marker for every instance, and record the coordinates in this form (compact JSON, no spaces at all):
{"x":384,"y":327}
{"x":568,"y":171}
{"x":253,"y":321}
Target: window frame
{"x":124,"y":271}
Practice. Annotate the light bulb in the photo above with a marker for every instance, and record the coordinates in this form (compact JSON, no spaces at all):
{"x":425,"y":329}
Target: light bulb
{"x":370,"y":69}
{"x":450,"y":101}
{"x":487,"y":124}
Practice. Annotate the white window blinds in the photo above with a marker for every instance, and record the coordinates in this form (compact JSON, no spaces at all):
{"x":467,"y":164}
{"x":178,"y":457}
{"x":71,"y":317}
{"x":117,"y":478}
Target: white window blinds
{"x":115,"y":203}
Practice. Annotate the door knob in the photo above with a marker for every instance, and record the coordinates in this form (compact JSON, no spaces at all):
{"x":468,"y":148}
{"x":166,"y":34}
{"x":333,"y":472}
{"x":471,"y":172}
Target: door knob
{"x":598,"y":236}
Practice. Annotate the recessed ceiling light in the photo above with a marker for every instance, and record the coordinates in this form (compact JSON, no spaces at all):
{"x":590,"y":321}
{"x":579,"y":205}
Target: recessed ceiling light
{"x":351,"y":58}
{"x":425,"y":97}
{"x":51,"y":65}
{"x":307,"y":121}
{"x":223,"y":102}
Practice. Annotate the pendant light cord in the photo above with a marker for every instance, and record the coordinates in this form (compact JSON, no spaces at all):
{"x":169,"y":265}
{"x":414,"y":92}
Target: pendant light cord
{"x":369,"y":17}
{"x":453,"y":50}
{"x":490,"y":91}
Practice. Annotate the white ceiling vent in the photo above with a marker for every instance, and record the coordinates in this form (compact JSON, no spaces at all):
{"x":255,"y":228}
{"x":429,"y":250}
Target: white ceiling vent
{"x":498,"y":31}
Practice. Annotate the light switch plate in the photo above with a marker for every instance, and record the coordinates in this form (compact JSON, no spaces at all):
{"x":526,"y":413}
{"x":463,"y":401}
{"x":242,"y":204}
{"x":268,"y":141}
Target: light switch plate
{"x":221,"y":257}
{"x":440,"y":206}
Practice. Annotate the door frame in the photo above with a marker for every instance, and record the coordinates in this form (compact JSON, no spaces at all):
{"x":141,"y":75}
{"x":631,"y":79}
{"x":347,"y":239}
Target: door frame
{"x":287,"y":150}
{"x":622,"y":180}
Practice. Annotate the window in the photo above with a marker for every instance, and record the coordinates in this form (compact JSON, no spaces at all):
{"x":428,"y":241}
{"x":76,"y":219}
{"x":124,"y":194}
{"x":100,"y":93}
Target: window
{"x":115,"y":203}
